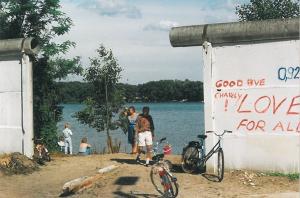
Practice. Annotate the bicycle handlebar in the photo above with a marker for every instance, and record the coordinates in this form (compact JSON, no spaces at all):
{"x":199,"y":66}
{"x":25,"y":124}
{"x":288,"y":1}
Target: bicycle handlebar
{"x":225,"y":131}
{"x":162,"y":139}
{"x":155,"y":147}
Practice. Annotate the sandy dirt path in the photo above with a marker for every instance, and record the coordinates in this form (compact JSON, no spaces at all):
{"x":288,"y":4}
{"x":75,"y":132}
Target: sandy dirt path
{"x":132,"y":180}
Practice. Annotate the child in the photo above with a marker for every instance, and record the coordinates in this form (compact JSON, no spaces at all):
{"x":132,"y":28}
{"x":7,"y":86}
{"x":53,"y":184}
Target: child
{"x":68,"y":141}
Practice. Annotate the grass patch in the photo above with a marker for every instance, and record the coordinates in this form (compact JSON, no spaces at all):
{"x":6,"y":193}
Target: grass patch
{"x":291,"y":176}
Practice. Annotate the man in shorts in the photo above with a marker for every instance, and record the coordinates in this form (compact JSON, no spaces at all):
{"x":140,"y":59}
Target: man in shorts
{"x":145,"y":129}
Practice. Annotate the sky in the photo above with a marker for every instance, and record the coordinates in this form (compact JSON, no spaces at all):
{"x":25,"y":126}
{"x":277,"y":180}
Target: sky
{"x":137,"y":31}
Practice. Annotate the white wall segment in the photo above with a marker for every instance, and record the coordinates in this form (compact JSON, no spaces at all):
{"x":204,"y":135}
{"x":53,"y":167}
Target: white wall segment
{"x":11,"y":133}
{"x":253,"y":89}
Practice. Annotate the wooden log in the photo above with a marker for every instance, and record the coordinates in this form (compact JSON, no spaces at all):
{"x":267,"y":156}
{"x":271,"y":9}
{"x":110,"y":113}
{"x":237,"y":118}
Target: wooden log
{"x":79,"y":184}
{"x":107,"y":169}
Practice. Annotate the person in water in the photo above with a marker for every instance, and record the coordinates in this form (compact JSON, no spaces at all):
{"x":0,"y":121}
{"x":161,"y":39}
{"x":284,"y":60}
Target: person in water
{"x":84,"y":147}
{"x":132,"y":117}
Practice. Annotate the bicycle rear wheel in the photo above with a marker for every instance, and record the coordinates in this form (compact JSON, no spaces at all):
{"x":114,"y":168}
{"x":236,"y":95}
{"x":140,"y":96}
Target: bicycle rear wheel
{"x":189,"y":160}
{"x":174,"y":186}
{"x":163,"y":182}
{"x":220,"y":165}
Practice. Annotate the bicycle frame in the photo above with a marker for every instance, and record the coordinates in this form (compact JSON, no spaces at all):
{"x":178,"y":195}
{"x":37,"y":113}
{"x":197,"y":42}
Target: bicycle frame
{"x":203,"y":159}
{"x":214,"y":150}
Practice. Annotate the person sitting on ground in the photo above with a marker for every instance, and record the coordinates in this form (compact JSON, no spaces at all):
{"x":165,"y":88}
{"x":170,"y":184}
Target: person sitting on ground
{"x":84,"y":148}
{"x":61,"y":143}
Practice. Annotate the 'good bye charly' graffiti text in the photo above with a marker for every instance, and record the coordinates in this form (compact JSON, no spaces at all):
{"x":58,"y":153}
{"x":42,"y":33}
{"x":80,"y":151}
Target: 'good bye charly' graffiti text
{"x":239,"y":83}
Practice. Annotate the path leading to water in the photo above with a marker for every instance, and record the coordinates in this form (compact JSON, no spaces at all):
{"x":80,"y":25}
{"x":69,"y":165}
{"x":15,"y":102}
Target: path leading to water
{"x":132,"y":180}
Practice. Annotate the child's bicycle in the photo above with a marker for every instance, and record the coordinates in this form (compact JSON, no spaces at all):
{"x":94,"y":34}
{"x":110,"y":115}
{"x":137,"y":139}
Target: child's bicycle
{"x":41,"y":153}
{"x":194,"y":158}
{"x":161,"y":177}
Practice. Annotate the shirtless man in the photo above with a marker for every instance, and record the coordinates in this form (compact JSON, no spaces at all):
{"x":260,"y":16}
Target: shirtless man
{"x":145,"y":129}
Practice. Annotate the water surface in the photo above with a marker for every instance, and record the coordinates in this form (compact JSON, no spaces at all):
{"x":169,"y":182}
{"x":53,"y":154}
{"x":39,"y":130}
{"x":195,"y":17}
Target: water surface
{"x":179,"y":122}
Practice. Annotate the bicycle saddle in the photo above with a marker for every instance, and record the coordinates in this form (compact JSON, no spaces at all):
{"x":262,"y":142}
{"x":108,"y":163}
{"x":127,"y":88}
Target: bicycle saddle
{"x":202,"y":136}
{"x":158,"y":157}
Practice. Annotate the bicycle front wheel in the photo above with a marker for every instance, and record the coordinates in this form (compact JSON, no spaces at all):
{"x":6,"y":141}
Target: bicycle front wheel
{"x":163,"y":182}
{"x":220,"y":165}
{"x":189,"y":160}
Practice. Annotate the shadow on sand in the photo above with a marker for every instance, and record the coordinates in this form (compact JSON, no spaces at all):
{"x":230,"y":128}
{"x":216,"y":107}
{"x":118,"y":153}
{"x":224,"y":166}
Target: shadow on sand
{"x":130,"y":181}
{"x":133,"y":194}
{"x":127,"y":181}
{"x":210,"y":177}
{"x":66,"y":194}
{"x":124,"y":161}
{"x":131,"y":161}
{"x":176,"y":168}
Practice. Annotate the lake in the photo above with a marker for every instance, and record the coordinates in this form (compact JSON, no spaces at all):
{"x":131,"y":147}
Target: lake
{"x":179,"y":122}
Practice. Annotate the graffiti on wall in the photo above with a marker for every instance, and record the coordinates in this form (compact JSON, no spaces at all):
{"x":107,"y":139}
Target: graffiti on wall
{"x":284,"y":110}
{"x":288,"y":73}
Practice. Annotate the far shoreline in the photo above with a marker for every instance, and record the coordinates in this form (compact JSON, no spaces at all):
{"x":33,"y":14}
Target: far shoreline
{"x":152,"y":102}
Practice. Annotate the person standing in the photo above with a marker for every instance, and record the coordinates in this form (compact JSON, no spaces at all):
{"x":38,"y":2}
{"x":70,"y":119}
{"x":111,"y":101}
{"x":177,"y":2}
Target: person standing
{"x":67,"y":139}
{"x":145,"y":130}
{"x":132,"y":117}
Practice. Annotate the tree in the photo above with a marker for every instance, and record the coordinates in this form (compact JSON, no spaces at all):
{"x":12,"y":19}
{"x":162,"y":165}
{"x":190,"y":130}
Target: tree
{"x":43,"y":20}
{"x":268,"y":9}
{"x":106,"y":101}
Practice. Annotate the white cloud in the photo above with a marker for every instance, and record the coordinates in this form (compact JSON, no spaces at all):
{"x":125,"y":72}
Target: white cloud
{"x":144,"y":55}
{"x":163,"y":25}
{"x":110,"y":8}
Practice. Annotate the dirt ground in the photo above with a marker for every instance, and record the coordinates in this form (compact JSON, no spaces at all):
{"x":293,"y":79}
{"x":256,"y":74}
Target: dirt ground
{"x":132,"y":180}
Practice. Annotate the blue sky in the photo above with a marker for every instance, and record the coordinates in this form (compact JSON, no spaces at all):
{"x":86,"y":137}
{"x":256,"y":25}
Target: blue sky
{"x":138,"y":33}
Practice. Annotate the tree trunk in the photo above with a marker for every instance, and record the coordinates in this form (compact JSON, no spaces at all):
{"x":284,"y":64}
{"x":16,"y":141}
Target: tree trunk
{"x":109,"y":142}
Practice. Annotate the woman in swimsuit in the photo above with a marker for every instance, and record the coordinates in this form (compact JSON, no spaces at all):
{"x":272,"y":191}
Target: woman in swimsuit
{"x":131,"y":129}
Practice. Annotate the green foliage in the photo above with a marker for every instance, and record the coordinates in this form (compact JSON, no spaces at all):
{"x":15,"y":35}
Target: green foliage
{"x":130,"y":92}
{"x":291,"y":176}
{"x":168,"y":90}
{"x":123,"y":121}
{"x":268,"y":9}
{"x":105,"y":100}
{"x":59,"y":67}
{"x":73,"y":92}
{"x":154,"y":91}
{"x":43,"y":20}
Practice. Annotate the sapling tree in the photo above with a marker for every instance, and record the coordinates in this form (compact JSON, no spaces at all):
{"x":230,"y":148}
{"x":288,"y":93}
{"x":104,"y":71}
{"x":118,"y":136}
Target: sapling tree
{"x":102,"y":108}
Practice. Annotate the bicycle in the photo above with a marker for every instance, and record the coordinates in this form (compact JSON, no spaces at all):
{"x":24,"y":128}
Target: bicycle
{"x":161,"y":177}
{"x":194,"y":158}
